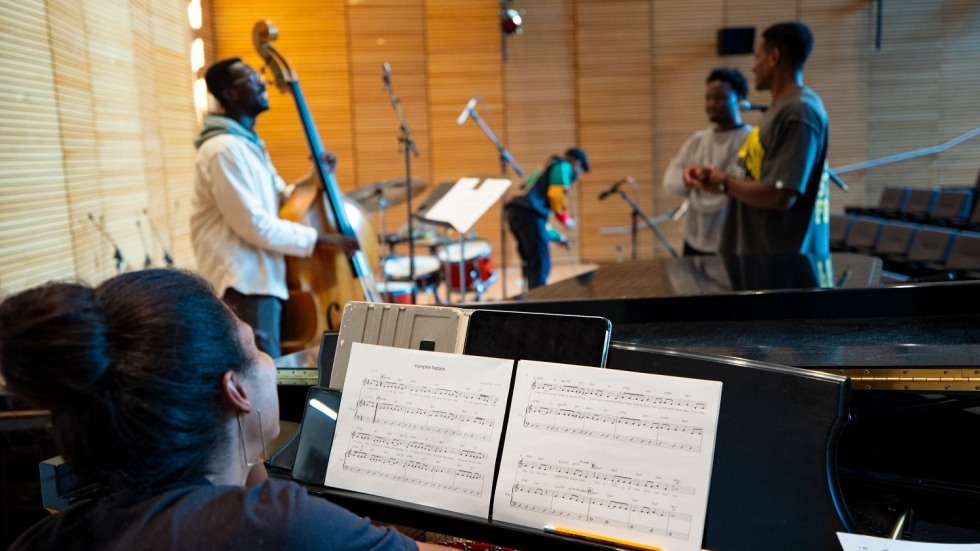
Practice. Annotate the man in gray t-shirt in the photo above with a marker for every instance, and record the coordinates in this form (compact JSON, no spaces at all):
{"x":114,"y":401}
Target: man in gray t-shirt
{"x":781,"y":201}
{"x":718,"y":145}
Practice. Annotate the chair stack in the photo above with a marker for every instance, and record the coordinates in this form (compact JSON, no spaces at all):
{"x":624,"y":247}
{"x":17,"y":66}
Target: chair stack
{"x":921,"y":234}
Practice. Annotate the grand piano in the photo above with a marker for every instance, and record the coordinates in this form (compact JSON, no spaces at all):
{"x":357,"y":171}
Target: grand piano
{"x":868,"y":430}
{"x":904,"y":459}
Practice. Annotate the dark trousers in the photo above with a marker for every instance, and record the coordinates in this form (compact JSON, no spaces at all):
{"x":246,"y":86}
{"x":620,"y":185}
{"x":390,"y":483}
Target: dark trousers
{"x":262,"y":313}
{"x":532,"y":244}
{"x":691,"y":251}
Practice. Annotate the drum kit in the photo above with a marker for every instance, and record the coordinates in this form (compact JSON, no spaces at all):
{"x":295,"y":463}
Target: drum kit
{"x":447,"y":258}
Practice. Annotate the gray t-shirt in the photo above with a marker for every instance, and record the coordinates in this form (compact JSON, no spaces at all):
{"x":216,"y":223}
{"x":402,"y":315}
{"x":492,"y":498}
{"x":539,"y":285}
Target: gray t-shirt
{"x":788,"y":151}
{"x":706,"y":210}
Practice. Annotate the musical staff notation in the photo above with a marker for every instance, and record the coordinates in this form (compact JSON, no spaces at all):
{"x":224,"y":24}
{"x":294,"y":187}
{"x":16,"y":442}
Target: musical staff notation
{"x":602,"y":512}
{"x":599,"y":476}
{"x":430,"y":449}
{"x":430,"y":392}
{"x":434,"y":421}
{"x":414,"y":472}
{"x":612,"y":427}
{"x":616,"y":395}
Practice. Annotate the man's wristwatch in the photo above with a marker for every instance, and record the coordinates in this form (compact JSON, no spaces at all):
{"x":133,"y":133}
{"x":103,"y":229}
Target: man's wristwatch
{"x":723,"y":186}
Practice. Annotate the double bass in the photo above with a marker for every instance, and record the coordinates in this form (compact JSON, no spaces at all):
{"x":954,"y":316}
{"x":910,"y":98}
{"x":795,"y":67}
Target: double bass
{"x":330,"y":277}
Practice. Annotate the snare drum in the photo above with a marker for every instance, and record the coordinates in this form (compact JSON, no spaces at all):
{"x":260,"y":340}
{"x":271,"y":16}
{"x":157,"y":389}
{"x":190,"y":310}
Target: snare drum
{"x":426,"y":270}
{"x":476,"y":262}
{"x":395,"y":292}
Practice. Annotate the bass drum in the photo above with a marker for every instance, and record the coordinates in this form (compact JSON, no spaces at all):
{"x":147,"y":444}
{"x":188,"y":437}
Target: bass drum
{"x":427,"y":270}
{"x":396,"y":292}
{"x":475,"y":255}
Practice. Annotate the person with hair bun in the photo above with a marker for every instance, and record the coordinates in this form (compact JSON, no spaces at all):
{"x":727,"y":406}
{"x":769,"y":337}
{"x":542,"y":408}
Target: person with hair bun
{"x":160,"y":398}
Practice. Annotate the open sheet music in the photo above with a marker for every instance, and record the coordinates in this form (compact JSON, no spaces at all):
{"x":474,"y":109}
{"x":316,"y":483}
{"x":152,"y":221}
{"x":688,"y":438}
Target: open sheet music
{"x":619,"y":454}
{"x":420,"y":426}
{"x":466,"y":202}
{"x":613,"y":453}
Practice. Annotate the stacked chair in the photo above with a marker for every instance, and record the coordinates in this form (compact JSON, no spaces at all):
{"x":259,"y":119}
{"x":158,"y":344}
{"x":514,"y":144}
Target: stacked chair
{"x":921,"y":234}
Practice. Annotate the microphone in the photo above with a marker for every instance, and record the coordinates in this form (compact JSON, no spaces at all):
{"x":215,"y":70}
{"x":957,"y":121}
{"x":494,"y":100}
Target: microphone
{"x":614,"y":188}
{"x":466,"y":112}
{"x":386,"y":74}
{"x":746,"y":105}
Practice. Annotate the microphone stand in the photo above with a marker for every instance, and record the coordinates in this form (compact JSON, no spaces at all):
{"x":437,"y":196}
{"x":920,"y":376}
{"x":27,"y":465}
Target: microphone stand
{"x":117,"y":254}
{"x":408,"y":149}
{"x":147,"y":261}
{"x":505,"y":159}
{"x":636,"y":215}
{"x":169,"y":260}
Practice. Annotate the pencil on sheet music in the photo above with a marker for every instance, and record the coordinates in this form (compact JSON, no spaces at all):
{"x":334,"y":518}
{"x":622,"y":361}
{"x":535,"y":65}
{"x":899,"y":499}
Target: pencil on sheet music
{"x":561,"y":531}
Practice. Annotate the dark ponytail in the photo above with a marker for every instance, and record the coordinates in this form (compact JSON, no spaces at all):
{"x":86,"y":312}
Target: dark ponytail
{"x":130,"y":370}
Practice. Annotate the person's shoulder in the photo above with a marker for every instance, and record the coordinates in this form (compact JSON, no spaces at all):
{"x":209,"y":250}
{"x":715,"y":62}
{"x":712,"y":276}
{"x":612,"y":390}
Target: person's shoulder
{"x":698,"y":135}
{"x":70,"y":527}
{"x":804,"y":106}
{"x":223,"y":141}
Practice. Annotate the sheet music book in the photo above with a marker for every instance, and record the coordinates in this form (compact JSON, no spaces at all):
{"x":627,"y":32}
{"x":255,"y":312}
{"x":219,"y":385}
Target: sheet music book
{"x":618,"y":454}
{"x":466,"y":202}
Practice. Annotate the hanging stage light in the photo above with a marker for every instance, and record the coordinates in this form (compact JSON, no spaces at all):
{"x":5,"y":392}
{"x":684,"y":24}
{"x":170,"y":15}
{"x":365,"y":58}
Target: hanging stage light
{"x":510,"y":21}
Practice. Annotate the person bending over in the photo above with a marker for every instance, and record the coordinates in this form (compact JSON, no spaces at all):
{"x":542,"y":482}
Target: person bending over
{"x":527,"y":214}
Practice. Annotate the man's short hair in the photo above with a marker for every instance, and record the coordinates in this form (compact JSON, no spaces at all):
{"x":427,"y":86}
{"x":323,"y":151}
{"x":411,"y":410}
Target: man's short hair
{"x":733,"y":77}
{"x":218,"y":77}
{"x":793,"y":39}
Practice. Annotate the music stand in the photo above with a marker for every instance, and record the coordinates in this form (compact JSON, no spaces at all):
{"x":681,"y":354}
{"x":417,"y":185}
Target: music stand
{"x":460,"y":208}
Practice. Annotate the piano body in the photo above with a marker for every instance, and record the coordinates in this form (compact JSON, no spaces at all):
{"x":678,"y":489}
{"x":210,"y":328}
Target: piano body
{"x":867,"y":430}
{"x":903,"y":461}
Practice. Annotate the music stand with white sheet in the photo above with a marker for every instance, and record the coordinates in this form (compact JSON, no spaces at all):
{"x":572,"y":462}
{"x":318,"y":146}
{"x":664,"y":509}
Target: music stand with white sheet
{"x":460,"y":208}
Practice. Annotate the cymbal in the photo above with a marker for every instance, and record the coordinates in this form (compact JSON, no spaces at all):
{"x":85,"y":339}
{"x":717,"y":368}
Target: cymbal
{"x":394,"y":192}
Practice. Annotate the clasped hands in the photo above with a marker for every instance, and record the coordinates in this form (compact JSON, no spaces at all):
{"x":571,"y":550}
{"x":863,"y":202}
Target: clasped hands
{"x":705,"y":178}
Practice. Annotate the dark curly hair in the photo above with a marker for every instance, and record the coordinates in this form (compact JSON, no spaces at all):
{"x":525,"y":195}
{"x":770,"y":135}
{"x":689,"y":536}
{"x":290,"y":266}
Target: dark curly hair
{"x":131,"y":371}
{"x":733,"y":77}
{"x":218,"y":77}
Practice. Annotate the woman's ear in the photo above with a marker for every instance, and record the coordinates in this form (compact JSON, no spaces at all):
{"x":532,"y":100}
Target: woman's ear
{"x":234,"y":392}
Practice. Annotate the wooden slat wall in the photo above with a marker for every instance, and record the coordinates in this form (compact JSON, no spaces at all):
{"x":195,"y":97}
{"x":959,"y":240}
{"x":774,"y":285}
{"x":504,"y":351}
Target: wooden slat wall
{"x":35,"y":239}
{"x":539,"y":91}
{"x":98,"y":115}
{"x":614,"y":111}
{"x":920,"y":83}
{"x":98,"y":96}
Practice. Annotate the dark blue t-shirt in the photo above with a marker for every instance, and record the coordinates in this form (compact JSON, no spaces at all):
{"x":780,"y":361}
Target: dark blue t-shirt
{"x":276,"y":514}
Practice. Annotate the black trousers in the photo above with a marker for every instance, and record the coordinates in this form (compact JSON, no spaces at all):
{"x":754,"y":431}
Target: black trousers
{"x":262,"y":313}
{"x":532,"y":244}
{"x":691,"y":251}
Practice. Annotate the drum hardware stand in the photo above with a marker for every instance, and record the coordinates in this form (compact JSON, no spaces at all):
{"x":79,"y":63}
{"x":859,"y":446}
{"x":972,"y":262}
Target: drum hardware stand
{"x":505,"y":159}
{"x":409,"y":149}
{"x":382,"y":205}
